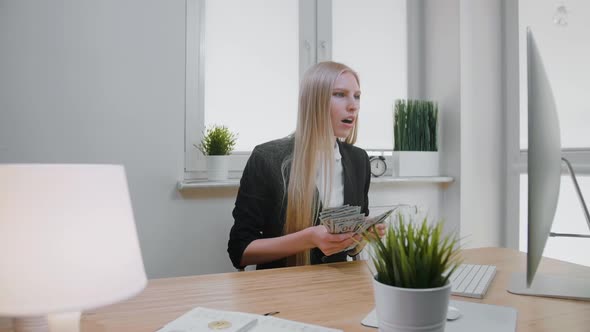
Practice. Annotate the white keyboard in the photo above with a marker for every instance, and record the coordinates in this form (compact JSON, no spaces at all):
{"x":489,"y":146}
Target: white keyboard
{"x":472,"y":280}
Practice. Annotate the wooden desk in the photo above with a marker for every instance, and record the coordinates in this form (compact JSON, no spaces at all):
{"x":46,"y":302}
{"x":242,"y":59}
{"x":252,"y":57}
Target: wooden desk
{"x":335,"y":295}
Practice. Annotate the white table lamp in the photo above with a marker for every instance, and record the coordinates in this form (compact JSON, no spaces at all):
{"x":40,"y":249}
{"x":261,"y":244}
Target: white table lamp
{"x":68,"y":241}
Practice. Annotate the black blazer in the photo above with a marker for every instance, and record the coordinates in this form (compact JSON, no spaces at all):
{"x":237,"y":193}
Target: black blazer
{"x":261,"y":202}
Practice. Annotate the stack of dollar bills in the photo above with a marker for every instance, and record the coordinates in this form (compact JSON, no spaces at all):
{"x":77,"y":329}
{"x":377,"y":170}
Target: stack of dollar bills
{"x":346,"y":219}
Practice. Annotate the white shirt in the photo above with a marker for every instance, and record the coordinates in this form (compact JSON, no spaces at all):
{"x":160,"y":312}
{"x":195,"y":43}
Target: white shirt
{"x":337,"y":197}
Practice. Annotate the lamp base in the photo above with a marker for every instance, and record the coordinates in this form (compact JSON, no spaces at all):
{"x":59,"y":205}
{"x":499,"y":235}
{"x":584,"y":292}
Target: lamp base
{"x":30,"y":324}
{"x":63,"y":322}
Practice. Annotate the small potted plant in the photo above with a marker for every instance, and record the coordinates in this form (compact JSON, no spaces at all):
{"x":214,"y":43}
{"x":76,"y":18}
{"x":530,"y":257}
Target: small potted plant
{"x":415,"y":131}
{"x":413,"y":263}
{"x":217,"y":143}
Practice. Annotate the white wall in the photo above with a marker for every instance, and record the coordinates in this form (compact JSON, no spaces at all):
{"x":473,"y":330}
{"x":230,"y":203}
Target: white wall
{"x":433,"y":73}
{"x":438,"y":51}
{"x":461,"y":47}
{"x":103,"y":82}
{"x":511,"y":82}
{"x":482,"y":130}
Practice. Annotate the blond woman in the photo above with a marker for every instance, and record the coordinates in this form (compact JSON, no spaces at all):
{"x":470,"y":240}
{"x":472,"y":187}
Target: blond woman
{"x":286,"y":182}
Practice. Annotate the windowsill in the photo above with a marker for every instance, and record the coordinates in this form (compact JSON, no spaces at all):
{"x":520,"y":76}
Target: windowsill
{"x":413,"y":179}
{"x":235,"y":183}
{"x":205,"y":184}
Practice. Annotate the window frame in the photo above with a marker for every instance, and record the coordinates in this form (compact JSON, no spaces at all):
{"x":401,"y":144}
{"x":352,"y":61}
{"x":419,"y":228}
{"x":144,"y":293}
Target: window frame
{"x":315,"y":45}
{"x":311,"y":34}
{"x":516,"y":157}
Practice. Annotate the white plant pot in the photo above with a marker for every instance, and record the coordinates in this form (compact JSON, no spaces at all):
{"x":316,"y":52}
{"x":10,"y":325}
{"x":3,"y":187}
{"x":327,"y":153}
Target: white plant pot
{"x":411,"y":310}
{"x":415,"y":163}
{"x":217,"y":168}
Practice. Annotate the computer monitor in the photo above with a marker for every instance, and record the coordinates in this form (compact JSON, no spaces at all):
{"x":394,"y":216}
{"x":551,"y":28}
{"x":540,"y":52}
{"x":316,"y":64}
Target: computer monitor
{"x":544,"y":178}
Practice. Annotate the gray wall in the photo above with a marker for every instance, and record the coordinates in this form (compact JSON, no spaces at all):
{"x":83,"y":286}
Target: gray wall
{"x":482,"y":122}
{"x":441,"y":69}
{"x":510,"y":231}
{"x":457,"y":57}
{"x":103,"y":81}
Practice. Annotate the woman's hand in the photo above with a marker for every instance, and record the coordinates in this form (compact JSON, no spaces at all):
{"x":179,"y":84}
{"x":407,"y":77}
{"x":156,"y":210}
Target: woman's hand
{"x":329,"y":243}
{"x":380,"y":228}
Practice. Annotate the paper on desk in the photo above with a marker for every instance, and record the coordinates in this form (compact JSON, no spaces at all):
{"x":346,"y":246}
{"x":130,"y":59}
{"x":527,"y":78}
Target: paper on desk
{"x":274,"y":324}
{"x":198,"y":320}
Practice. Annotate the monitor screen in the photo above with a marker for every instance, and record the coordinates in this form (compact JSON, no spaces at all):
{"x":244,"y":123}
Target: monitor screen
{"x":544,"y":157}
{"x":544,"y":172}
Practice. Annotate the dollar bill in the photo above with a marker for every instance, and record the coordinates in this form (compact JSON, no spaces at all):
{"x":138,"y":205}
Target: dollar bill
{"x":349,"y":219}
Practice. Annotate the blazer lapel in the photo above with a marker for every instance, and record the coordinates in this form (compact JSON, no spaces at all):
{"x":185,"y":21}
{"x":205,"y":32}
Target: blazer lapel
{"x":347,"y":178}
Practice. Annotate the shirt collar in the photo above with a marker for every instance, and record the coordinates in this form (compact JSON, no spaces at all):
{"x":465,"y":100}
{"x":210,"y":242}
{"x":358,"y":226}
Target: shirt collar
{"x":337,"y":155}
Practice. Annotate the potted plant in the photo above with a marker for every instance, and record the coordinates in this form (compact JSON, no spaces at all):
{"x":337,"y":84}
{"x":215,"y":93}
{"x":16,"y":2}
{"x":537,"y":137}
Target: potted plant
{"x":415,"y":131}
{"x":217,"y":143}
{"x":413,"y":263}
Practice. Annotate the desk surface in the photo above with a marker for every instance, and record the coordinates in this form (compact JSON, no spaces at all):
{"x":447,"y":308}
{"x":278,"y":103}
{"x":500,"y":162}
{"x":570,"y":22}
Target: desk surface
{"x":333,"y":295}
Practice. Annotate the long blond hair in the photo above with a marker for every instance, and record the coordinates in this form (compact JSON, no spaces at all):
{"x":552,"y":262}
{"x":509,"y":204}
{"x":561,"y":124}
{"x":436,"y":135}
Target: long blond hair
{"x":314,"y":142}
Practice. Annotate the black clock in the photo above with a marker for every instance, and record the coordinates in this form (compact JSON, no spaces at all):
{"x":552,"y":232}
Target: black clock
{"x":378,"y":165}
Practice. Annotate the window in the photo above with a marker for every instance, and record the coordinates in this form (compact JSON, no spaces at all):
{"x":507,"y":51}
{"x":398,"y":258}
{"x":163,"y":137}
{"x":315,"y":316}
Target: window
{"x":251,"y":71}
{"x":245,"y":59}
{"x":568,"y":79}
{"x":371,"y":36}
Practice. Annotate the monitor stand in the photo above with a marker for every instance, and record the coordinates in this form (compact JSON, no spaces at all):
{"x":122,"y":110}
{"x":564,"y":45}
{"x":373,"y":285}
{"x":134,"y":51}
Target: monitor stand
{"x":551,"y":286}
{"x":580,"y":198}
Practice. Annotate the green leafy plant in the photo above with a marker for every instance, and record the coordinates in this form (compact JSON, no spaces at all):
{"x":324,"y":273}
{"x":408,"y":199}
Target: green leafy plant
{"x":217,"y":141}
{"x":415,"y":125}
{"x":413,"y":256}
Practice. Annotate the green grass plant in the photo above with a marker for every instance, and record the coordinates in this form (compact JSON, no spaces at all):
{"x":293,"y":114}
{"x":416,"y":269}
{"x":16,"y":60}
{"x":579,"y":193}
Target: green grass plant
{"x":414,"y":255}
{"x":217,"y":141}
{"x":415,"y":125}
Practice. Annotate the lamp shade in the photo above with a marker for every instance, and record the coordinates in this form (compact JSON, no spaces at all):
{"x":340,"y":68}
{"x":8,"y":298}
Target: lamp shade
{"x":67,"y":239}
